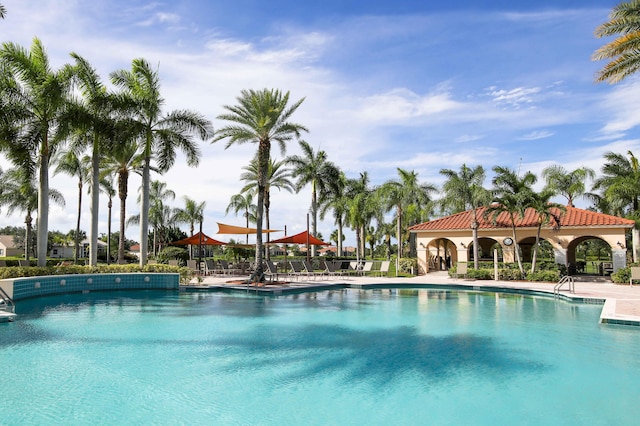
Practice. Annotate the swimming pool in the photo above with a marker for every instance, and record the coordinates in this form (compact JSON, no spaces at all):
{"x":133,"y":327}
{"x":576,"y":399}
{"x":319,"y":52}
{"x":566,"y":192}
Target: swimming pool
{"x":394,"y":356}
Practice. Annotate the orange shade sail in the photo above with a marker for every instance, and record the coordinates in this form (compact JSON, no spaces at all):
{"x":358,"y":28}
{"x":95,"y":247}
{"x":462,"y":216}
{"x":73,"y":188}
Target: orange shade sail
{"x":197,"y":239}
{"x":230,"y":229}
{"x":300,"y":238}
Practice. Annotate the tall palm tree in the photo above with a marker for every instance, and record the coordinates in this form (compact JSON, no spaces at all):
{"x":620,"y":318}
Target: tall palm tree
{"x":69,"y":163}
{"x":243,"y":202}
{"x":160,"y":135}
{"x":261,"y":117}
{"x":3,"y":11}
{"x":106,"y":186}
{"x":548,"y":212}
{"x":158,"y":213}
{"x":277,"y":177}
{"x":463,"y":191}
{"x":336,"y":201}
{"x":361,"y":208}
{"x":192,"y":213}
{"x":620,"y":186}
{"x":400,"y":194}
{"x":123,"y":159}
{"x":570,"y":185}
{"x":624,"y":51}
{"x":313,"y":168}
{"x":18,"y":193}
{"x":93,"y":118}
{"x":35,"y":97}
{"x":512,"y":195}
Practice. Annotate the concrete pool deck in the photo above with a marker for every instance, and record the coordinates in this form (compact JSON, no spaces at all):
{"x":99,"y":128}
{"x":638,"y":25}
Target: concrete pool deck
{"x":621,"y":303}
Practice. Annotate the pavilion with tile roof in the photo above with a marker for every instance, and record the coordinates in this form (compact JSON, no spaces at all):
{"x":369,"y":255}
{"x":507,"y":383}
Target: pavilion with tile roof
{"x":443,"y":242}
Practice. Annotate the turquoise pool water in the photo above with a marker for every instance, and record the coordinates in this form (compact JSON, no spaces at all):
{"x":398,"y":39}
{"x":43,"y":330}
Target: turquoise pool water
{"x":348,"y":357}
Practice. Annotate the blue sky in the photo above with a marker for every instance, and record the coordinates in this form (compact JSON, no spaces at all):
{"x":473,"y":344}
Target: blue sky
{"x":420,"y":85}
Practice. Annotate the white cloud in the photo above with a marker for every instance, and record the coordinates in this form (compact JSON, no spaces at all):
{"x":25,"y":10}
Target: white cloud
{"x":538,"y":134}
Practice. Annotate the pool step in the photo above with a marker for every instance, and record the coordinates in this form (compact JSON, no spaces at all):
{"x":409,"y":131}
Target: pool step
{"x":7,"y":316}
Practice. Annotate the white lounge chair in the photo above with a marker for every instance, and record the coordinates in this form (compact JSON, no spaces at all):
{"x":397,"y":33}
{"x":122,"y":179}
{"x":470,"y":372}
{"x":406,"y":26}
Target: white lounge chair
{"x":461,"y":270}
{"x":635,"y":274}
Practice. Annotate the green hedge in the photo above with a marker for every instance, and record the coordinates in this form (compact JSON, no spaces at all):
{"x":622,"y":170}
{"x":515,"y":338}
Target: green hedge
{"x":35,"y":271}
{"x":511,"y":274}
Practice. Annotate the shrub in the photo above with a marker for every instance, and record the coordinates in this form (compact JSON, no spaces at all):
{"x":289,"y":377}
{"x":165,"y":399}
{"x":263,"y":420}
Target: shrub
{"x":408,"y":265}
{"x":168,"y":253}
{"x":546,"y":275}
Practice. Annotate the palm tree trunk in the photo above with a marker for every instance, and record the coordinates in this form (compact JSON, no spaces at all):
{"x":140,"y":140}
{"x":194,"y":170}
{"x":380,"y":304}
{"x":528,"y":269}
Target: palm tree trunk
{"x":339,"y":242}
{"x":144,"y":213}
{"x":76,"y":240}
{"x":399,"y":231}
{"x":123,"y":180}
{"x":95,"y":203}
{"x":109,"y":231}
{"x":43,"y":203}
{"x":635,"y":243}
{"x":534,"y":256}
{"x":267,"y":204}
{"x":263,"y":168}
{"x":27,"y":238}
{"x":474,"y":233}
{"x":314,"y":215}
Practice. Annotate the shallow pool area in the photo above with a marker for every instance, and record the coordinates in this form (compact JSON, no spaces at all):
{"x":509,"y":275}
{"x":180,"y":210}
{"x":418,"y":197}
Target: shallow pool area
{"x":348,"y":356}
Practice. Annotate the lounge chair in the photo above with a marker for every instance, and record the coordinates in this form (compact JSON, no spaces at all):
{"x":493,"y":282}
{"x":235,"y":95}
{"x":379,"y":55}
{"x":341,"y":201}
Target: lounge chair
{"x":308,"y":267}
{"x":384,"y":268}
{"x":272,"y":271}
{"x":461,"y":269}
{"x":296,"y":269}
{"x":330,"y":269}
{"x":635,"y":274}
{"x":193,"y":266}
{"x":174,"y":262}
{"x":209,"y":266}
{"x":3,"y":263}
{"x":366,"y":268}
{"x":24,"y":263}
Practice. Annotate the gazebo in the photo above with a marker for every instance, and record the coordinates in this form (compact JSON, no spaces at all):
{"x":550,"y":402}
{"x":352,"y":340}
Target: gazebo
{"x":443,"y":242}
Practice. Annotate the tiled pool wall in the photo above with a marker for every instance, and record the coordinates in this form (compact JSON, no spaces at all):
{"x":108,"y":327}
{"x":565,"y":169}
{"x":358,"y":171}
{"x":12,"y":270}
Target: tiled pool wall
{"x":24,"y":288}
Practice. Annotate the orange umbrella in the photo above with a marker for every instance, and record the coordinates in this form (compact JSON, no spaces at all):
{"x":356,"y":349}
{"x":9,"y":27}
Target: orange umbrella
{"x":303,"y":237}
{"x":197,"y":240}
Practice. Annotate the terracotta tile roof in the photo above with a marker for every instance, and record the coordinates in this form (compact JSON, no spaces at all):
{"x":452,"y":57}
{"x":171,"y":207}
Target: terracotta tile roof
{"x":572,"y":217}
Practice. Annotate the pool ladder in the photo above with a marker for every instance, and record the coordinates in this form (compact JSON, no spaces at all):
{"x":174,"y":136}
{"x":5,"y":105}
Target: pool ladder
{"x":567,"y":279}
{"x":7,"y":307}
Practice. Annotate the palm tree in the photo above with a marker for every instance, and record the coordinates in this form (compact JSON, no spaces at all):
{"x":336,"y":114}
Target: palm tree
{"x":512,"y":195}
{"x":158,"y":213}
{"x":336,"y":201}
{"x":3,"y":11}
{"x":463,"y":191}
{"x":18,"y":193}
{"x":360,"y":208}
{"x":314,"y":169}
{"x":160,"y":135}
{"x":69,"y":163}
{"x":547,"y":212}
{"x":93,"y":118}
{"x":277,"y":177}
{"x":37,"y":97}
{"x":260,"y":117}
{"x":123,"y":159}
{"x":191,"y":213}
{"x":106,"y":186}
{"x":570,"y":185}
{"x":620,"y":186}
{"x":624,"y":51}
{"x":243,"y":202}
{"x":402,"y":193}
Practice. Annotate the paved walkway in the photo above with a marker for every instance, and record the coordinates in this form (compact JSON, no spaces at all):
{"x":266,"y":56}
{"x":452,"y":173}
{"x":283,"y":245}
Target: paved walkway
{"x":621,"y":302}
